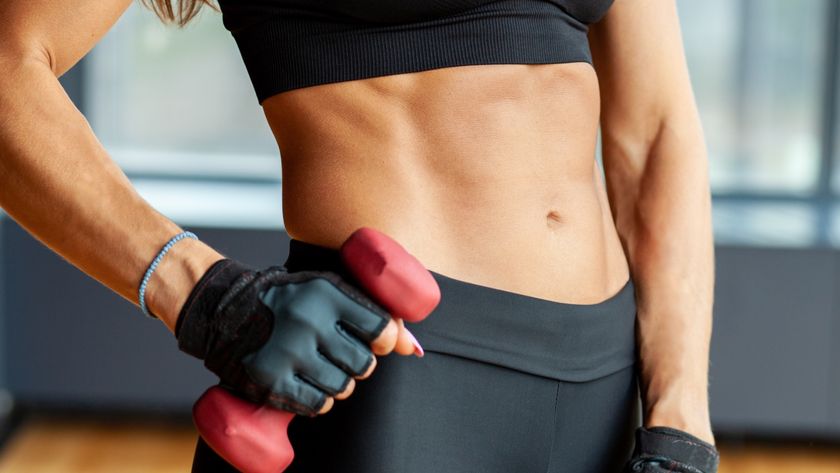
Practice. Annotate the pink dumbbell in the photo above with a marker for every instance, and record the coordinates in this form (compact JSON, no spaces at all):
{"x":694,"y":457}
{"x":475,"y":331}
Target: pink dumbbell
{"x":253,"y":438}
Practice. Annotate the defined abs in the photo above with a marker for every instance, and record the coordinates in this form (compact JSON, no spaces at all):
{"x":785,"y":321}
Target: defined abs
{"x":485,"y":173}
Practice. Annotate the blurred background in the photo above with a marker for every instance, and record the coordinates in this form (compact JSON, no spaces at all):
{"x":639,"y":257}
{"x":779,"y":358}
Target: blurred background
{"x":83,"y":372}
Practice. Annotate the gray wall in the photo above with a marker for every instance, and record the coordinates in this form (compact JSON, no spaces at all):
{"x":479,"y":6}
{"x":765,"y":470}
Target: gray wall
{"x":71,"y":342}
{"x":775,"y":344}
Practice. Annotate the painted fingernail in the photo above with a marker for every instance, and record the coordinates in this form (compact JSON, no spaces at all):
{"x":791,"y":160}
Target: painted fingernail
{"x":418,"y":350}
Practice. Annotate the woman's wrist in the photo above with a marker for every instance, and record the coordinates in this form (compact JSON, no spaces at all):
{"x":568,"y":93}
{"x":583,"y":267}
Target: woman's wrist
{"x":674,"y":387}
{"x":686,"y":413}
{"x":176,"y":275}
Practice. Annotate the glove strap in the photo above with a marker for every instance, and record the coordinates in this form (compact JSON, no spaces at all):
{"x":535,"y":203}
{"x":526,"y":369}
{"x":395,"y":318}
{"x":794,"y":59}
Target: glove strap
{"x":665,"y":443}
{"x":193,"y":325}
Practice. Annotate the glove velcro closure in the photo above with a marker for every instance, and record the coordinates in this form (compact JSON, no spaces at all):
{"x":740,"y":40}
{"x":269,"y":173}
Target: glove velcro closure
{"x":668,"y":444}
{"x":194,"y":321}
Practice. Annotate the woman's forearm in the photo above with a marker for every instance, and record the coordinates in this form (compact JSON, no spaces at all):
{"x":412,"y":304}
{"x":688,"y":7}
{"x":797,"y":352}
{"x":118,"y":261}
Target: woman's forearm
{"x":664,"y":218}
{"x":58,"y":182}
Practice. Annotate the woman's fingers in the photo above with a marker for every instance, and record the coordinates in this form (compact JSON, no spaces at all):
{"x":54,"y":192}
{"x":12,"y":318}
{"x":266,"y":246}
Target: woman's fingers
{"x":385,"y":342}
{"x":347,"y":391}
{"x":370,"y":369}
{"x":404,"y":345}
{"x":395,"y":337}
{"x":330,"y":402}
{"x":327,"y":406}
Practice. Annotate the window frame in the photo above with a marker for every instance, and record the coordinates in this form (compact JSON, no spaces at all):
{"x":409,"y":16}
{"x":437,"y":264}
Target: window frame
{"x":824,"y":198}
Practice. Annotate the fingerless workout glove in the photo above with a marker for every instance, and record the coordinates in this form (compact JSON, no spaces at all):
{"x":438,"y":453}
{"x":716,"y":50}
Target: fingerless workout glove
{"x":284,"y":339}
{"x":665,"y":449}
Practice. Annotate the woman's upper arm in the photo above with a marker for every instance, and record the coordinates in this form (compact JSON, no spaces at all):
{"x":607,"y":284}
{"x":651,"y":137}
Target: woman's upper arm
{"x":60,"y":32}
{"x":639,"y":58}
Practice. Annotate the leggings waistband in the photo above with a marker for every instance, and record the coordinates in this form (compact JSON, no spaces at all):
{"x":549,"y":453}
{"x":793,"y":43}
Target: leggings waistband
{"x":563,"y":341}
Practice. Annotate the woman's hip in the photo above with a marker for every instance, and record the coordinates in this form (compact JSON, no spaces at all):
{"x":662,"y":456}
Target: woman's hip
{"x":447,"y":413}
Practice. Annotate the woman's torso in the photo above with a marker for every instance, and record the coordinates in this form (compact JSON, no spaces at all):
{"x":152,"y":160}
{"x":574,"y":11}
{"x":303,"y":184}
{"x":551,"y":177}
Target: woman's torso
{"x":486,"y":173}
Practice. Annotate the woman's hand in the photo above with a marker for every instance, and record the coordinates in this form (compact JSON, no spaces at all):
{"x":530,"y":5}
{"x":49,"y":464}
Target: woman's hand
{"x":294,"y":341}
{"x":664,"y":449}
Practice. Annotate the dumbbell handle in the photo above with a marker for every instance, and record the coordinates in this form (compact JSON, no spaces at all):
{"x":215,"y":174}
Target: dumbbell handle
{"x":253,"y":438}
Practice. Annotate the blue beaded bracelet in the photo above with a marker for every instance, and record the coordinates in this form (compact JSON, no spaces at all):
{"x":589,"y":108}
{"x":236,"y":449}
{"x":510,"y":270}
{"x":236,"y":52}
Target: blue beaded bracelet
{"x":154,"y":265}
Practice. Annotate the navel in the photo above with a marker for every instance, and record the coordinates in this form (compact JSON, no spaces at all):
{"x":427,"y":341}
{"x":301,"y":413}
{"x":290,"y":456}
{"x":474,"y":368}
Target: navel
{"x":553,"y":218}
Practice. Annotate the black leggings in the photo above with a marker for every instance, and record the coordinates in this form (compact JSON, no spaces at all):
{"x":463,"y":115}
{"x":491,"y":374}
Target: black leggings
{"x":509,"y":383}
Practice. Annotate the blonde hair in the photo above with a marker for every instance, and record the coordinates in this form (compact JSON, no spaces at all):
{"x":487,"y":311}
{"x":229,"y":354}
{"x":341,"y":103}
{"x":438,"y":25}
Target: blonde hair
{"x":185,"y":11}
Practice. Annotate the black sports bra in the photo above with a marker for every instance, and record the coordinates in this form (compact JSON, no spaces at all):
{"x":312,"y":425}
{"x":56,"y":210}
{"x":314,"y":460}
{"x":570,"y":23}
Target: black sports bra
{"x":289,"y":44}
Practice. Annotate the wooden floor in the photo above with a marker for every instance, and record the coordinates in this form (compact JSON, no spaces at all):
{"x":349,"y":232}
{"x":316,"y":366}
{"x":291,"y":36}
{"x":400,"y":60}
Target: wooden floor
{"x":764,"y":459}
{"x":42,"y":446}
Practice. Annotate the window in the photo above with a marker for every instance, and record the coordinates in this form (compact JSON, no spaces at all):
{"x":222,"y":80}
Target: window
{"x":157,"y":87}
{"x":761,"y":72}
{"x":758,"y":70}
{"x":175,"y":108}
